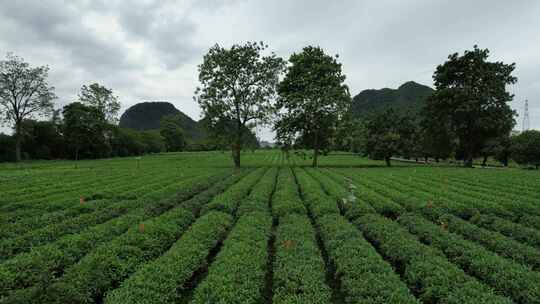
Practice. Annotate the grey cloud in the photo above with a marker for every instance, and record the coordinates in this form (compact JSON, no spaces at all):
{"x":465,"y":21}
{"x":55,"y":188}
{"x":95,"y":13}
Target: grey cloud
{"x":381,"y":43}
{"x":55,"y":24}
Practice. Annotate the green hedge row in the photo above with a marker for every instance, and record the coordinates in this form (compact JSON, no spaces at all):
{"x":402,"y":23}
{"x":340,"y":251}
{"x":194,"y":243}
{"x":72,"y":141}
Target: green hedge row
{"x":31,"y":216}
{"x":365,"y":277}
{"x":531,"y":221}
{"x":505,"y":276}
{"x":517,"y":204}
{"x":49,"y":233}
{"x":229,"y":200}
{"x":383,"y":205}
{"x":344,"y":193}
{"x":513,"y":230}
{"x":113,"y":262}
{"x":109,"y":264}
{"x":299,"y":270}
{"x":428,"y":273}
{"x":160,"y":281}
{"x":238,"y":272}
{"x":118,"y":187}
{"x":35,"y":222}
{"x":459,"y":203}
{"x":37,"y":196}
{"x":414,"y":196}
{"x":315,"y":197}
{"x":286,"y":200}
{"x":257,"y":201}
{"x":44,"y":263}
{"x":493,"y":241}
{"x":76,"y":209}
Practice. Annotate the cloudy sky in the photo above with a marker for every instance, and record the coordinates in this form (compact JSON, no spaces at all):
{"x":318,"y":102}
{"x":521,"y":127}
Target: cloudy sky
{"x":149,"y":50}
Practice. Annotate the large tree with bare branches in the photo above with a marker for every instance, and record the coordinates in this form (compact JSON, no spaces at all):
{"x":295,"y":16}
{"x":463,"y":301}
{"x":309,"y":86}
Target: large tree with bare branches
{"x":24,"y":93}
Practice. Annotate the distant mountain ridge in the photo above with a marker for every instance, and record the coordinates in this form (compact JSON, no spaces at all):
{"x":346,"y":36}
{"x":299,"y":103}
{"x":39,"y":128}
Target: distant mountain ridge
{"x":408,"y":97}
{"x":147,"y":116}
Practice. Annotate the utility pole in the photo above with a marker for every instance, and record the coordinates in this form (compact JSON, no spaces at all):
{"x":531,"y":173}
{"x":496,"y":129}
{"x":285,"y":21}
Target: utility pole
{"x":526,"y":121}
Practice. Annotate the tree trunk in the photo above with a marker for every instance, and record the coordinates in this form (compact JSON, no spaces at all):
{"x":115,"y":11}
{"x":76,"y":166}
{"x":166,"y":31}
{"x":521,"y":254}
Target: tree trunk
{"x":237,"y":147}
{"x":425,"y":159}
{"x":18,"y":141}
{"x":77,"y":157}
{"x":315,"y":150}
{"x":387,"y":160}
{"x":537,"y":165}
{"x":469,"y":152}
{"x":468,"y":162}
{"x":505,"y":161}
{"x":236,"y":154}
{"x":484,"y":162}
{"x":468,"y":158}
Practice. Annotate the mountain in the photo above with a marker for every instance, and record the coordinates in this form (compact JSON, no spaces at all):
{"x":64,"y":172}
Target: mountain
{"x":146,"y":116}
{"x":409,"y":96}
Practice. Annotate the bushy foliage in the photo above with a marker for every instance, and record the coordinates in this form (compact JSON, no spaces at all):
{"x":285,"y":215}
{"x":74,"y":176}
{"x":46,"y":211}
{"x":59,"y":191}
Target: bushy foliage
{"x":425,"y":269}
{"x":237,"y":275}
{"x":506,"y":276}
{"x":158,"y":281}
{"x":525,"y":148}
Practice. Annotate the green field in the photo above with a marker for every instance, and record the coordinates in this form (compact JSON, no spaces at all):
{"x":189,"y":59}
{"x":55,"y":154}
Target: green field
{"x":186,"y":228}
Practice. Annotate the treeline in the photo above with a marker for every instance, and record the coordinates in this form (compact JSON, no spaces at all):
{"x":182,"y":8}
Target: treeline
{"x":467,"y":117}
{"x":85,"y":128}
{"x":52,"y":140}
{"x":389,"y":134}
{"x":304,"y":98}
{"x":81,"y":132}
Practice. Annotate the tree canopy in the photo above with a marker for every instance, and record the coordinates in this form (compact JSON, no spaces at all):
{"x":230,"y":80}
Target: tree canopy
{"x":103,"y":99}
{"x":238,"y":84}
{"x":24,"y":93}
{"x":172,"y":132}
{"x":312,"y":98}
{"x":84,"y":130}
{"x":471,"y":98}
{"x":525,"y":148}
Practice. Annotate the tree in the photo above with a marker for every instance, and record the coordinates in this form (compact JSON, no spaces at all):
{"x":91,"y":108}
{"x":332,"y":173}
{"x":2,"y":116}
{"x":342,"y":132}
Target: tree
{"x":126,"y":142}
{"x":382,"y":139}
{"x":503,"y":150}
{"x":84,"y":131}
{"x":153,"y":141}
{"x":173,"y":134}
{"x":525,"y":148}
{"x":436,"y":139}
{"x":238,"y":85}
{"x":42,"y":139}
{"x":98,"y":96}
{"x":471,"y":96}
{"x":24,"y":93}
{"x":498,"y":147}
{"x":314,"y":97}
{"x":7,"y":148}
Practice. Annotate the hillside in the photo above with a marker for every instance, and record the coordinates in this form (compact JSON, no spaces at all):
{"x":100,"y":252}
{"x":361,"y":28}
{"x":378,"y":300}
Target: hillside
{"x":409,"y":96}
{"x":146,"y":116}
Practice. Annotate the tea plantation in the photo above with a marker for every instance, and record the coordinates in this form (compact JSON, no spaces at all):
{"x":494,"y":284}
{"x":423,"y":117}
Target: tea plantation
{"x":186,"y":228}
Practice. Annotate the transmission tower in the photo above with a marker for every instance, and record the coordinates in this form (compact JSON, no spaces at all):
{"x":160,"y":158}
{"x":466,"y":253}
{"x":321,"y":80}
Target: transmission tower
{"x":526,"y":121}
